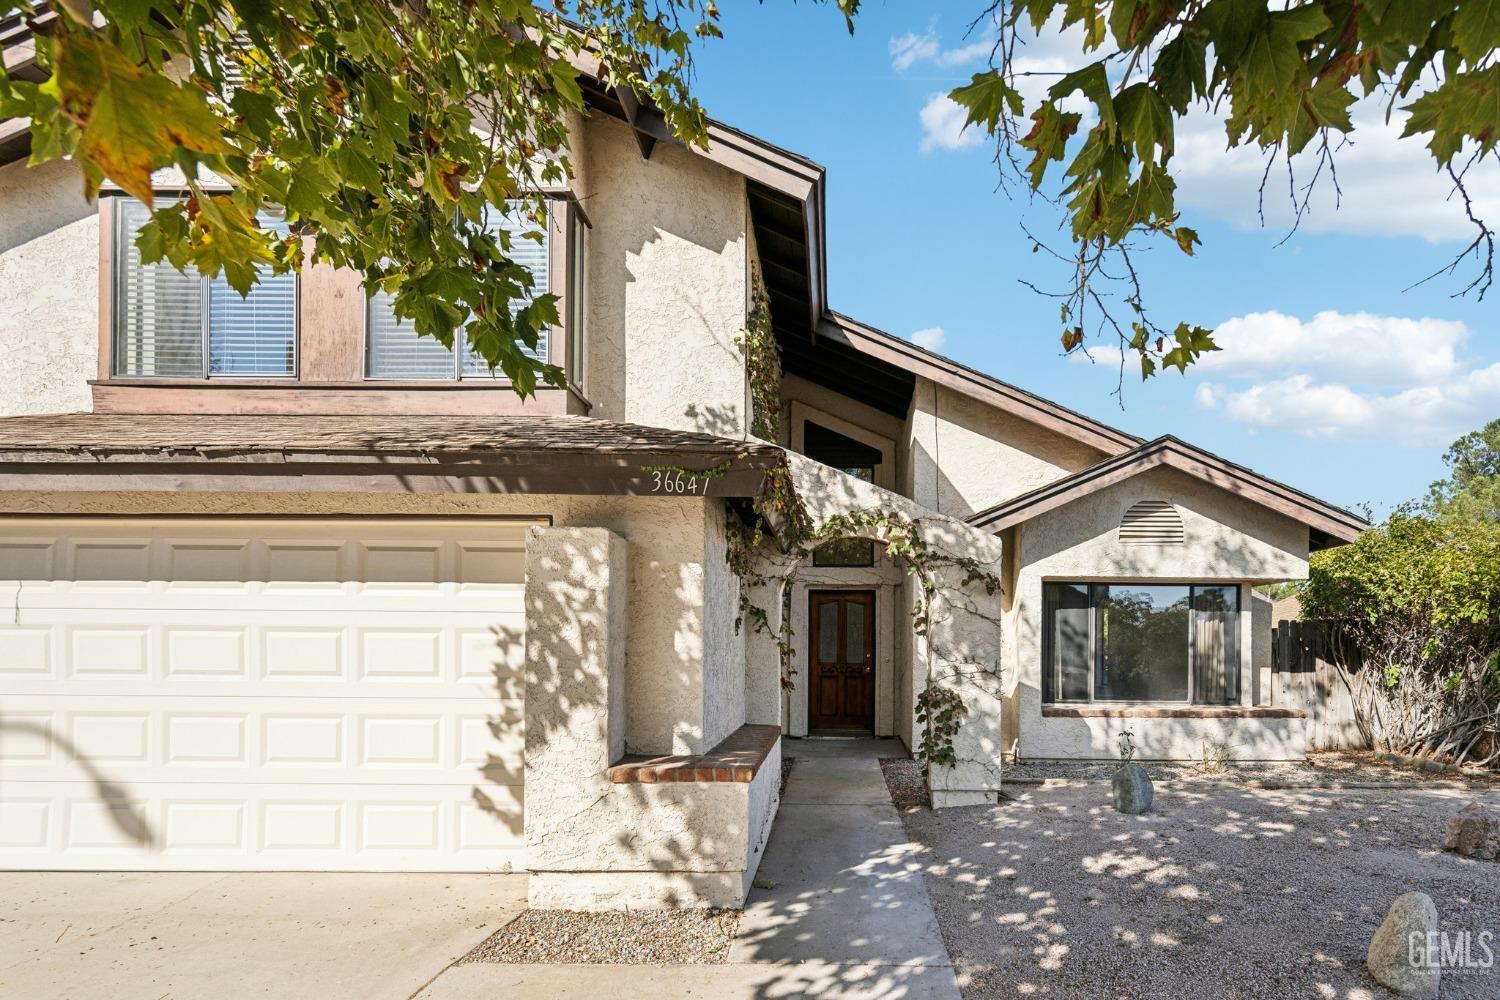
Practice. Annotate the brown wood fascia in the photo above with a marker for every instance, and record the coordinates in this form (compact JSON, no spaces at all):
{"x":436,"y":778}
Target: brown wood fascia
{"x":977,"y":386}
{"x":1223,"y":475}
{"x":531,"y":472}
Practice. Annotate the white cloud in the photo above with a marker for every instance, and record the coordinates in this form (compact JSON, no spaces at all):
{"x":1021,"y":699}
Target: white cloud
{"x":1351,"y":376}
{"x":943,"y":125}
{"x":1357,"y":347}
{"x":1224,"y":183}
{"x":1387,"y":186}
{"x":911,"y":48}
{"x":1038,"y":60}
{"x":932,"y":338}
{"x":1422,"y":415}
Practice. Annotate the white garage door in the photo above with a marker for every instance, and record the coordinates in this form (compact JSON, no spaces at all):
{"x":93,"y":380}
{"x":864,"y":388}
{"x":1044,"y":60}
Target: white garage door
{"x":261,"y":694}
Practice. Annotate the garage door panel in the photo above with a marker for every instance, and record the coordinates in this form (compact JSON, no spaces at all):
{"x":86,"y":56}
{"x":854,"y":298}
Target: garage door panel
{"x":263,"y":827}
{"x":434,"y":655}
{"x":228,"y":740}
{"x":276,"y":695}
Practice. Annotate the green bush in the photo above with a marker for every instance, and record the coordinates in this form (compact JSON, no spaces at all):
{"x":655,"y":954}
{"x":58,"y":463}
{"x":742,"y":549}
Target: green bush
{"x":1418,"y":600}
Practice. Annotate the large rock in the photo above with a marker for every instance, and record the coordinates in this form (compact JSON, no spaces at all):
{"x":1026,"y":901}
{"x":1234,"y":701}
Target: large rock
{"x":1402,"y":937}
{"x":1132,"y":789}
{"x":1474,"y":833}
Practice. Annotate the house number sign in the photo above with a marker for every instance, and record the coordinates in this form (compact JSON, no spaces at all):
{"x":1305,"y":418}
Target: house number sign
{"x":672,"y":481}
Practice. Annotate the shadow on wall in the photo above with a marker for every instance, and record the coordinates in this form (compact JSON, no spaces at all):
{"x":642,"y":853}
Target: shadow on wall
{"x":40,"y":200}
{"x":115,"y":797}
{"x":660,"y":225}
{"x":505,"y":778}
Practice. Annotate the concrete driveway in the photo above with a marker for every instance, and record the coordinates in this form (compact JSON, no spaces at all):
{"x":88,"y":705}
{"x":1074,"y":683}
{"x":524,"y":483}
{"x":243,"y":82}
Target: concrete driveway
{"x":181,"y":935}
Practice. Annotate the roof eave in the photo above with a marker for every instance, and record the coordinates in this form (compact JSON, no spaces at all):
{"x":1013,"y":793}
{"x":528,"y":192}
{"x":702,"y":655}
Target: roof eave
{"x":1334,"y":523}
{"x":1003,"y":396}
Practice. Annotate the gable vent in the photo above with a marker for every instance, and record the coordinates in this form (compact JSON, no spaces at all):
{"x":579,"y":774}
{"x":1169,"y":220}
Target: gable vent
{"x":1151,"y":522}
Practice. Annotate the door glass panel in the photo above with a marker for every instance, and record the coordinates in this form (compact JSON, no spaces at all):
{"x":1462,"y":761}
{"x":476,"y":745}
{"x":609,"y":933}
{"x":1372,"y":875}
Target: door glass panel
{"x":854,"y":632}
{"x":828,"y":632}
{"x":1216,"y":643}
{"x":1067,"y":612}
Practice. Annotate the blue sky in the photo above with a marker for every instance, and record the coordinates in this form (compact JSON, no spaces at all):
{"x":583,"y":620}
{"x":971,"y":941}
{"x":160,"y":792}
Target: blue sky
{"x":1335,"y":380}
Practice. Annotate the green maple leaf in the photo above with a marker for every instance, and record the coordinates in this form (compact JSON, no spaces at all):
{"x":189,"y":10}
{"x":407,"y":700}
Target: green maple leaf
{"x":131,"y":121}
{"x":987,"y":96}
{"x":1466,"y":106}
{"x":1048,"y":138}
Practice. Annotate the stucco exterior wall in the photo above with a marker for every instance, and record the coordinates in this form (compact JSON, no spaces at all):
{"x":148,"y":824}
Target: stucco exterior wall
{"x":965,"y":455}
{"x":723,"y":644}
{"x":667,"y":278}
{"x":1227,"y":540}
{"x":49,"y":289}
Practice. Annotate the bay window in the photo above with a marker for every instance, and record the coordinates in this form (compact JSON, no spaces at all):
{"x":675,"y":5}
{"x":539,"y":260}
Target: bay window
{"x":168,"y":324}
{"x":1140,"y":642}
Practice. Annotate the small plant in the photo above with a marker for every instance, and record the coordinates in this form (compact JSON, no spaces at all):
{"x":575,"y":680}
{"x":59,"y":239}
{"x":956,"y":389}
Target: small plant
{"x":939,"y":712}
{"x":1127,"y":746}
{"x":1214,"y":757}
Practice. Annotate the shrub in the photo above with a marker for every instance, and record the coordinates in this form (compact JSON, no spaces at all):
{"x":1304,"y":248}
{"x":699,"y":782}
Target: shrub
{"x":1417,"y":601}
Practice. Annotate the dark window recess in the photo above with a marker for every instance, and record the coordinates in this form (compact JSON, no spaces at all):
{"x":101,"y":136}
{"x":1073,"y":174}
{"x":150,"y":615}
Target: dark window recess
{"x":840,"y":451}
{"x":1141,"y":642}
{"x":858,"y":460}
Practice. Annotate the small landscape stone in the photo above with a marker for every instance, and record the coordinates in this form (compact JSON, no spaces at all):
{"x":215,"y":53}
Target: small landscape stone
{"x":1132,"y":789}
{"x":1474,"y":833}
{"x":1390,"y":954}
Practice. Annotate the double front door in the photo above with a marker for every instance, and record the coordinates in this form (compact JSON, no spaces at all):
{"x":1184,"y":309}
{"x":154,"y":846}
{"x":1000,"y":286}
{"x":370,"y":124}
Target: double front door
{"x":842,"y":672}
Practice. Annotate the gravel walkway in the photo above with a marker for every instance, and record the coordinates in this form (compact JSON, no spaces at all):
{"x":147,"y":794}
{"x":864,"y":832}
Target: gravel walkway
{"x":1218,"y":893}
{"x":637,"y":937}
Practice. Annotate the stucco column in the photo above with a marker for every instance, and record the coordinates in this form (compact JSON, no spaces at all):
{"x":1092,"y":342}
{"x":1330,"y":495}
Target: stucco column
{"x":963,"y":650}
{"x":576,"y":585}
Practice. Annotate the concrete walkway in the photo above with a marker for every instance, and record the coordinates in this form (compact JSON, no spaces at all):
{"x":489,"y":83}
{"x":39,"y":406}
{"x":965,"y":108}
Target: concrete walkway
{"x":845,"y":913}
{"x":180,"y":935}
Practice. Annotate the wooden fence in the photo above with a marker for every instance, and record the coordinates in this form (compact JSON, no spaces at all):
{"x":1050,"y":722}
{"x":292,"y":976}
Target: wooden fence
{"x":1305,"y":676}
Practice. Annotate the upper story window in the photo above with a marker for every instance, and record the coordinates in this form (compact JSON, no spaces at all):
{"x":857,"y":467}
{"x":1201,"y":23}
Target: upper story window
{"x":395,"y":351}
{"x":173,"y":325}
{"x":854,"y":458}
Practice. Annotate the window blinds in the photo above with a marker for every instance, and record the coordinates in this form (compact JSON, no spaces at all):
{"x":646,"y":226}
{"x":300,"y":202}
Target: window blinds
{"x":256,"y":334}
{"x":166,"y":317}
{"x":159,"y":329}
{"x":396,"y":352}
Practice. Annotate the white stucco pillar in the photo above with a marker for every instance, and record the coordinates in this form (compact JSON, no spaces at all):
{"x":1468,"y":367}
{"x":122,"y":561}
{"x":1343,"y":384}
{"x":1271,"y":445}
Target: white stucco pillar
{"x":576,"y":585}
{"x":963,"y":650}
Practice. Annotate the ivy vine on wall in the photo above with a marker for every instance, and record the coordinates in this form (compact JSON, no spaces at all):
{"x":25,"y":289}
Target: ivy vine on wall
{"x":780,"y":534}
{"x":762,"y":362}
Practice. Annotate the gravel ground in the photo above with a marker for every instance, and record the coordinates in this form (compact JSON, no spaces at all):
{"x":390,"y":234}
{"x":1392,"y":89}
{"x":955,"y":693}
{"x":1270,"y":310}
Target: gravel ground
{"x":637,"y":937}
{"x":1342,"y":769}
{"x":907,"y":781}
{"x":1218,"y":893}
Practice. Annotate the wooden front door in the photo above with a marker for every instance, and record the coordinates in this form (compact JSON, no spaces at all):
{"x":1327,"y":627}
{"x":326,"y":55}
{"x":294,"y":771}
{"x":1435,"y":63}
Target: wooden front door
{"x":841,"y":691}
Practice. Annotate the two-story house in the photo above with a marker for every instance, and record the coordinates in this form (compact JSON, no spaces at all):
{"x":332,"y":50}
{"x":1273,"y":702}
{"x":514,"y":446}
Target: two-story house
{"x":290,"y":588}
